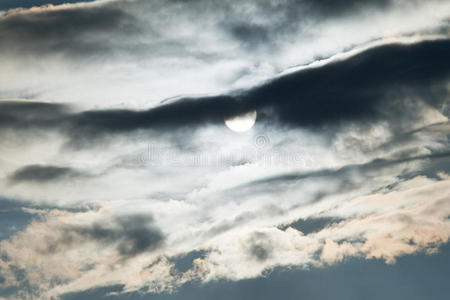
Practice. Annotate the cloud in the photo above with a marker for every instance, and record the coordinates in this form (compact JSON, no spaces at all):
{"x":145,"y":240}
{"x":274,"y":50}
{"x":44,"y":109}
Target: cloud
{"x":313,"y":97}
{"x":337,"y":91}
{"x":42,"y":174}
{"x":70,"y":30}
{"x":260,"y":247}
{"x":131,"y":53}
{"x":131,"y":235}
{"x":121,"y":238}
{"x":119,"y":18}
{"x":347,"y":157}
{"x":345,"y":174}
{"x":84,"y":254}
{"x":30,"y":115}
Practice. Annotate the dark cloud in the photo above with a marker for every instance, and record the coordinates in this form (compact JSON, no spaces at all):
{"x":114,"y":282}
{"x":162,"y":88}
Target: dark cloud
{"x":130,"y":235}
{"x":186,"y":112}
{"x":368,"y":86}
{"x":77,"y":31}
{"x":260,"y":252}
{"x":384,"y":83}
{"x":31,"y":115}
{"x":260,"y":246}
{"x":249,"y":34}
{"x":42,"y":174}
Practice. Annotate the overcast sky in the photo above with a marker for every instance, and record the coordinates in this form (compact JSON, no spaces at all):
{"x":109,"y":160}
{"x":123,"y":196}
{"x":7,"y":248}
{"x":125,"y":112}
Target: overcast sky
{"x":120,"y":179}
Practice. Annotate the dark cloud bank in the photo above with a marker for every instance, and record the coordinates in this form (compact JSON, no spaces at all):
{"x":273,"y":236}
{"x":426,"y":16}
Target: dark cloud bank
{"x":66,"y":31}
{"x":383,"y":83}
{"x":42,"y":174}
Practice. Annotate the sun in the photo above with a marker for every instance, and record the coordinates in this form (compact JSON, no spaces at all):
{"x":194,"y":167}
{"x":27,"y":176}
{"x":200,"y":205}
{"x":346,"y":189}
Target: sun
{"x":242,"y":123}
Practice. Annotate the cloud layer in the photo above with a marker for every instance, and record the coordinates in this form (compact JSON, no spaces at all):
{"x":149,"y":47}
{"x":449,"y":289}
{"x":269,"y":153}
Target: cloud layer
{"x":107,"y":183}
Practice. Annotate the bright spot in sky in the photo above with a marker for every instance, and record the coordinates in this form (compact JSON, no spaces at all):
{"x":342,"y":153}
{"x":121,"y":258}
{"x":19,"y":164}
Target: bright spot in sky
{"x":242,"y":122}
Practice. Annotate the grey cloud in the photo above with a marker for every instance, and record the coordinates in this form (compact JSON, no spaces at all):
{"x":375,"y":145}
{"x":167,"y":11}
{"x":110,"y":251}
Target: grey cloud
{"x":259,"y":246}
{"x":250,"y":35}
{"x":274,"y":21}
{"x":396,"y":79}
{"x":343,"y":175}
{"x":260,"y":252}
{"x":403,"y":138}
{"x":43,"y":174}
{"x":77,"y":31}
{"x":130,"y":235}
{"x":81,"y":32}
{"x":31,"y":115}
{"x":315,"y":97}
{"x":337,"y":92}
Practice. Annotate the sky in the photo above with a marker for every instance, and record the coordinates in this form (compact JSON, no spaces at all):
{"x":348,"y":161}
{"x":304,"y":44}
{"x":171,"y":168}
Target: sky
{"x":121,"y":177}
